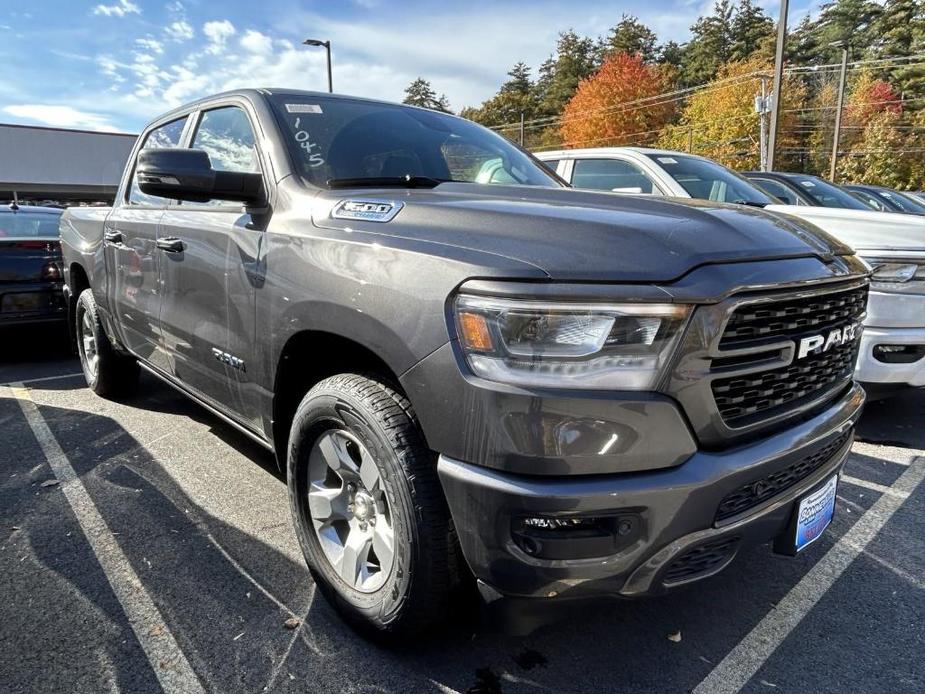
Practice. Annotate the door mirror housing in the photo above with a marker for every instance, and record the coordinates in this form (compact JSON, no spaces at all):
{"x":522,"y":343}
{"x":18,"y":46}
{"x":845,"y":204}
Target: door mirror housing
{"x":187,"y":174}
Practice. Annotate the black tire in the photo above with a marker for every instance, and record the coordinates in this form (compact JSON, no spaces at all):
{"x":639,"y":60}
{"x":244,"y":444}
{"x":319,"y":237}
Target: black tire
{"x":111,"y":374}
{"x":423,"y":569}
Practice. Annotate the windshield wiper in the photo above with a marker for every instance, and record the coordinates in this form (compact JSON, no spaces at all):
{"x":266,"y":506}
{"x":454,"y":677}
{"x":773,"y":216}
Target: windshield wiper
{"x":750,"y":203}
{"x":406,"y":181}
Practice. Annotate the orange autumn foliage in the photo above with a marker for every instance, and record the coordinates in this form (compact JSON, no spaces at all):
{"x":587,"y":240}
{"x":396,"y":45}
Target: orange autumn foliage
{"x":603,"y":110}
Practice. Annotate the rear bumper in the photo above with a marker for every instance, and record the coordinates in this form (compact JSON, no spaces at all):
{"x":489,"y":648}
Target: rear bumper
{"x":672,"y":513}
{"x":30,"y":303}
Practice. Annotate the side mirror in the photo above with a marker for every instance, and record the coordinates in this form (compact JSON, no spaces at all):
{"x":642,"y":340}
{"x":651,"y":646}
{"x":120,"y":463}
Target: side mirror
{"x":187,"y":174}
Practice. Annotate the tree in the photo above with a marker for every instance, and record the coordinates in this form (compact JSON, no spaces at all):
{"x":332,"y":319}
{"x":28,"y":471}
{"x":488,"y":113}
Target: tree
{"x":900,"y":29}
{"x":606,"y":108}
{"x":881,"y":156}
{"x":517,"y":96}
{"x":630,"y":36}
{"x":560,"y":74}
{"x":420,"y":93}
{"x":720,"y":120}
{"x":671,"y":53}
{"x":710,"y":46}
{"x":849,"y":21}
{"x":750,"y":28}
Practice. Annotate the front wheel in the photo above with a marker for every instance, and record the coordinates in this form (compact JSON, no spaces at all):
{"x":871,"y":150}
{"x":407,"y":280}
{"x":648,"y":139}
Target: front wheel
{"x":368,"y":508}
{"x":108,"y":373}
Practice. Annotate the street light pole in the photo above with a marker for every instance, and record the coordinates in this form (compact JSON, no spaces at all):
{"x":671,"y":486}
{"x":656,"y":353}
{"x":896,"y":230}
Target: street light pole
{"x":841,"y":104}
{"x":778,"y":79}
{"x":327,"y":47}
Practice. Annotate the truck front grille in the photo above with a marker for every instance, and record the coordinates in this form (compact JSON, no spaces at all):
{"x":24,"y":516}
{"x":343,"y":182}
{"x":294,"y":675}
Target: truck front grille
{"x":757,"y":492}
{"x":745,"y":399}
{"x":785,"y":318}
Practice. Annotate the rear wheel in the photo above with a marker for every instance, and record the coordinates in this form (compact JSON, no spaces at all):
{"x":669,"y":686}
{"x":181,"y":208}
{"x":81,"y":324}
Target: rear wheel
{"x":108,"y":373}
{"x":368,"y":508}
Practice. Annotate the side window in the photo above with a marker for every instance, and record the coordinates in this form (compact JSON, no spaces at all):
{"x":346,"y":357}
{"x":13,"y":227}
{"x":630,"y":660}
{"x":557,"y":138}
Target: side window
{"x":225,"y":134}
{"x":551,"y":164}
{"x":779,"y":191}
{"x":611,"y":174}
{"x":167,"y":135}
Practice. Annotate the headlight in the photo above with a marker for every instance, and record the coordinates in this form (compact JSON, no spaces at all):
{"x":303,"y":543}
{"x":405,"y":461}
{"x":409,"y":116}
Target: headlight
{"x":897,"y":275}
{"x":568,"y":345}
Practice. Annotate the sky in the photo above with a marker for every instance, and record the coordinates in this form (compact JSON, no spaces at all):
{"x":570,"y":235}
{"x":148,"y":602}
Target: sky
{"x":113,"y":65}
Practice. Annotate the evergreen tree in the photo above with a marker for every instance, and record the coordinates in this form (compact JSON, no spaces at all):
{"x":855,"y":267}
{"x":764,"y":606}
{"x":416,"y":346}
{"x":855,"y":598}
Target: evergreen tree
{"x":560,"y":74}
{"x":900,"y":30}
{"x":672,"y":54}
{"x":631,"y":36}
{"x":750,"y":28}
{"x":421,"y":93}
{"x":711,"y":45}
{"x":517,"y":95}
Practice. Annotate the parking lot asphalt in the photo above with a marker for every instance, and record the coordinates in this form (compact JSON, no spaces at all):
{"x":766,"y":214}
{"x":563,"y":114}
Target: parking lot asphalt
{"x":146,"y":546}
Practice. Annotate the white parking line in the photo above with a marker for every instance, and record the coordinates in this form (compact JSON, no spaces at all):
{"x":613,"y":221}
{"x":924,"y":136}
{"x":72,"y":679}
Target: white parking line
{"x":43,"y":378}
{"x":873,"y":486}
{"x":170,"y":665}
{"x":740,"y":665}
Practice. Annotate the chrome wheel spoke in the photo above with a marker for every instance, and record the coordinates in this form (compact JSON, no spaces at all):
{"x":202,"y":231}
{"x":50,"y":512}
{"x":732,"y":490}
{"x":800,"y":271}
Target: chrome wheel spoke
{"x":327,"y":504}
{"x":383,"y":544}
{"x":333,"y":449}
{"x":353,"y":566}
{"x":369,"y":472}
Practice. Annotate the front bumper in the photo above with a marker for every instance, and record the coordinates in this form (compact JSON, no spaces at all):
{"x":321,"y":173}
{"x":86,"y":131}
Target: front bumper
{"x":892,"y":319}
{"x":30,"y":303}
{"x":676,"y":511}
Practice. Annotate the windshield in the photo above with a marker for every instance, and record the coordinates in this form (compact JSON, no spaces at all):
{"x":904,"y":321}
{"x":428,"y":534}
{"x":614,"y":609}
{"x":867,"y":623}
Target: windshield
{"x":26,"y":224}
{"x":827,"y":195}
{"x":708,"y":180}
{"x":333,"y":139}
{"x":907,"y":203}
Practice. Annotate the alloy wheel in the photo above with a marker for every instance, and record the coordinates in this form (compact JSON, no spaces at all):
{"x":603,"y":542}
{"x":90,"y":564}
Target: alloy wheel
{"x":350,"y":511}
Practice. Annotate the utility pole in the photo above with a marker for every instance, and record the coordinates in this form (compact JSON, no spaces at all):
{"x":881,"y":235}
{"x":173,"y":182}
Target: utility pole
{"x":762,"y":107}
{"x":841,"y":104}
{"x":521,"y":128}
{"x":778,"y":79}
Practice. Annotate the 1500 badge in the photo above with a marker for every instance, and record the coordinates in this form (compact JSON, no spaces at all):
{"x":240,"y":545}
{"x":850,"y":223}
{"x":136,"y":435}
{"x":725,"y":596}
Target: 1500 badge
{"x":825,"y":342}
{"x":229,"y":359}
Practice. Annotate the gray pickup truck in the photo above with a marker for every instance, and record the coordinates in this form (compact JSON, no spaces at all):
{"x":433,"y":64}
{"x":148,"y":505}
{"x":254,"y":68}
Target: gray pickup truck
{"x":466,"y":368}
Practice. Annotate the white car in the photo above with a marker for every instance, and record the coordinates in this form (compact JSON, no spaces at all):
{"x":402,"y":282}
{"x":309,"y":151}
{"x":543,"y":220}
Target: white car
{"x":892,"y":351}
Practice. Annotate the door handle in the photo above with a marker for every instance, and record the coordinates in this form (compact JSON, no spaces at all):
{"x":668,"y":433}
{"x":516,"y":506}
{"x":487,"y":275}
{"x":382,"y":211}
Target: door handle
{"x":111,"y":236}
{"x":171,"y":244}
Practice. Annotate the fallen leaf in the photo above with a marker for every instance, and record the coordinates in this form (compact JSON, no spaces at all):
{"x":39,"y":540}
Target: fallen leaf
{"x":675,"y":637}
{"x":156,"y":630}
{"x":292,"y":623}
{"x":50,"y":483}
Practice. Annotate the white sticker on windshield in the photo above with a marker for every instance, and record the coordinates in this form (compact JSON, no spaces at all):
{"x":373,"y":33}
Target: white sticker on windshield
{"x":303,"y":108}
{"x":667,"y":160}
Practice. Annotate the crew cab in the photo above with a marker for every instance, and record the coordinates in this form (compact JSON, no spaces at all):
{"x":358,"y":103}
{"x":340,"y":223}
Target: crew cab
{"x":892,"y":355}
{"x":565,"y":394}
{"x":31,"y":278}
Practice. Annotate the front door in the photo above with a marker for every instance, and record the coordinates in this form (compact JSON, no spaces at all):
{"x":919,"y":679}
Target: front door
{"x":208,"y":252}
{"x":129,"y":250}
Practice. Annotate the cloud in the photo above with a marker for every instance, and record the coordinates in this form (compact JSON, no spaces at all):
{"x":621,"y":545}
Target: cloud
{"x":218,"y":32}
{"x":149,"y":44}
{"x":120,"y":9}
{"x":255,"y":42}
{"x":180,"y":30}
{"x":61,"y":116}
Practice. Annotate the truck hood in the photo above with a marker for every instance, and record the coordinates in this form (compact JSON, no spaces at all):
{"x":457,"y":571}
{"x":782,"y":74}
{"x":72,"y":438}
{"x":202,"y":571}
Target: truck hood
{"x":585,"y":235}
{"x":863,"y":230}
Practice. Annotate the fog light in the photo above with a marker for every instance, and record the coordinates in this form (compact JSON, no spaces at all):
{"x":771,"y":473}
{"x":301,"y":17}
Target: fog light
{"x":898,"y":354}
{"x":576,"y":537}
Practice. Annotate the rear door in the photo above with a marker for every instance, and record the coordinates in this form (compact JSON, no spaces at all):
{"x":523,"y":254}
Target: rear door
{"x":209,"y":281}
{"x":130,"y":252}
